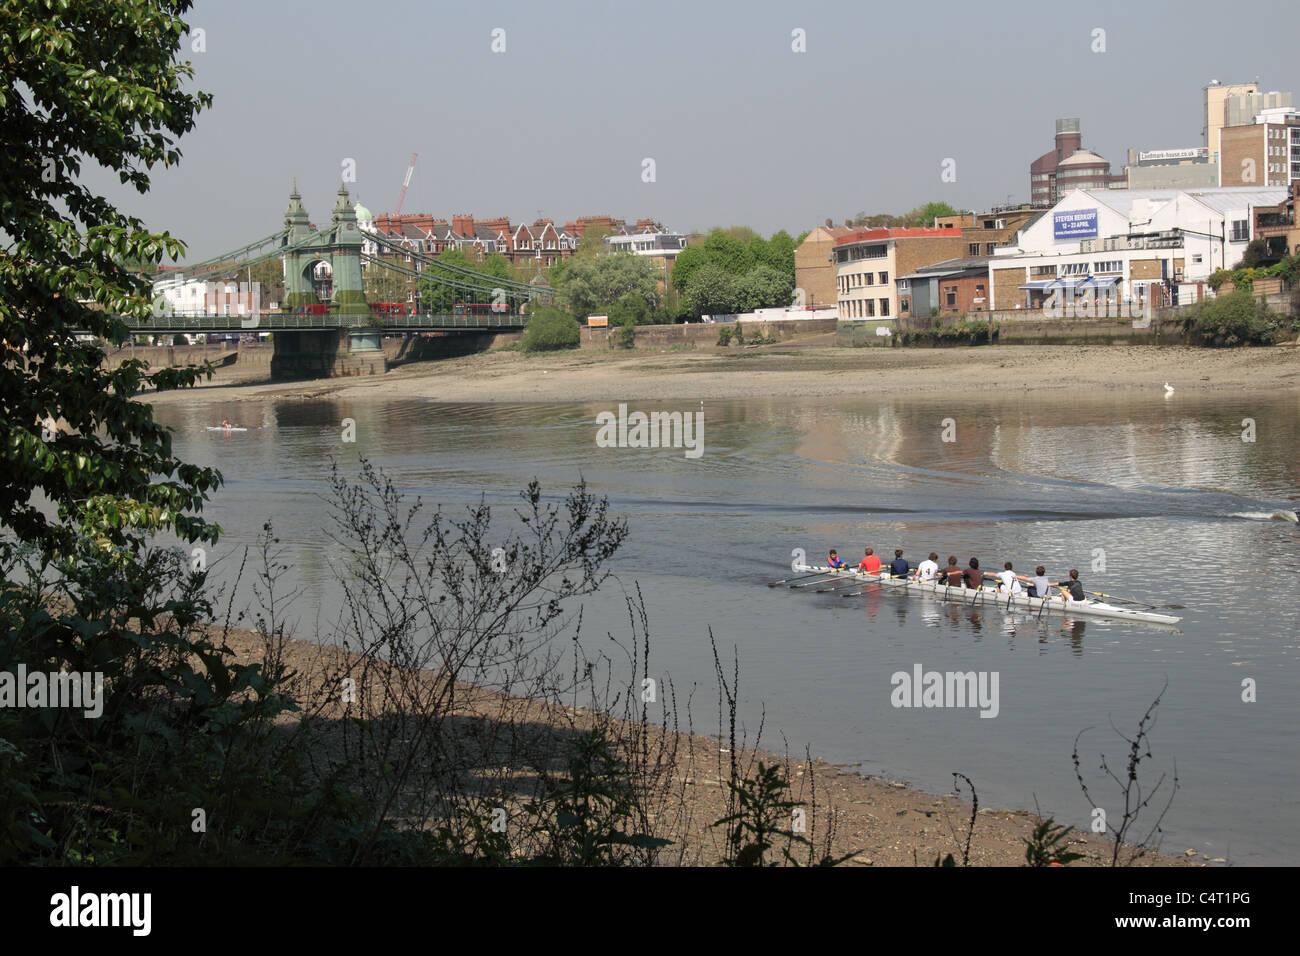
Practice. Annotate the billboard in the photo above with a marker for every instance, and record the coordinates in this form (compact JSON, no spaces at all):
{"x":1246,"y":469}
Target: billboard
{"x":1074,"y":224}
{"x":1173,"y":155}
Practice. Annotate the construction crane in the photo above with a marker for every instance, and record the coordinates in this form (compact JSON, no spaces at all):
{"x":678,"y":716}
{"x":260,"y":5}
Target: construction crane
{"x":405,"y":183}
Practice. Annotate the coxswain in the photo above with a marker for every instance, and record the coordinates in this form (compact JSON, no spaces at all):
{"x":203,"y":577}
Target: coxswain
{"x":834,"y":560}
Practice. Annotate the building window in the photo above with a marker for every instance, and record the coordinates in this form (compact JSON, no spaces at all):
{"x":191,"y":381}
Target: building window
{"x":904,"y":286}
{"x":1240,"y":230}
{"x":884,"y":307}
{"x":869,"y":279}
{"x":870,"y":308}
{"x":884,"y":278}
{"x":973,"y":249}
{"x":904,"y":306}
{"x":952,"y":298}
{"x":1196,"y":258}
{"x":1110,"y":265}
{"x":988,"y":248}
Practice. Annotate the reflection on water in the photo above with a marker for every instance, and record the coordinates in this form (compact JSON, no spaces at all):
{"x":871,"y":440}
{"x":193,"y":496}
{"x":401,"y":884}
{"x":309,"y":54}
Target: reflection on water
{"x":1151,"y":485}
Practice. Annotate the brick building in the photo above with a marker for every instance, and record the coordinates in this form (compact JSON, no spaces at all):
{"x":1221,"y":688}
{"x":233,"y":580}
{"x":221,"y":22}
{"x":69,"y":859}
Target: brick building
{"x":814,"y":264}
{"x":953,"y":287}
{"x":1068,"y":166}
{"x":1265,"y":152}
{"x":869,"y":261}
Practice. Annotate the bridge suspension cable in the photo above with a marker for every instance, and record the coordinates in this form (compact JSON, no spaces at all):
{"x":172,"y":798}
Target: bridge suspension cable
{"x":479,"y":279}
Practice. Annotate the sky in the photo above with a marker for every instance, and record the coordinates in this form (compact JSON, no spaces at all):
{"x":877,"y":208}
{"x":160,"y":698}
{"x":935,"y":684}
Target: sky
{"x":742,"y":129}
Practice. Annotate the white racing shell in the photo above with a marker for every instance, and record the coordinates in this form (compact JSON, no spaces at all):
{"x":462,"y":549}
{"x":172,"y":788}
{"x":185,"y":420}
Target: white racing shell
{"x":991,"y":598}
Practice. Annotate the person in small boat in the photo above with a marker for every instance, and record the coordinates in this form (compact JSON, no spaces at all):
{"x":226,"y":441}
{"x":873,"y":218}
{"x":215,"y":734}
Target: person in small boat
{"x":951,"y":575}
{"x":899,"y":566}
{"x":870,"y":564}
{"x":928,"y":569}
{"x":1008,"y":580}
{"x":833,"y":560}
{"x":225,"y":423}
{"x":1039,"y":586}
{"x":973,"y":577}
{"x":1072,"y":589}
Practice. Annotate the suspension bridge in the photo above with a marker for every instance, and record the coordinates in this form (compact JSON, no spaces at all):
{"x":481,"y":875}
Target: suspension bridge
{"x":321,"y":328}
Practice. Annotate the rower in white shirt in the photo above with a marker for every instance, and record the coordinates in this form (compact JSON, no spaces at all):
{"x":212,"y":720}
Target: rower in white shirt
{"x":1008,"y":580}
{"x":927,"y":569}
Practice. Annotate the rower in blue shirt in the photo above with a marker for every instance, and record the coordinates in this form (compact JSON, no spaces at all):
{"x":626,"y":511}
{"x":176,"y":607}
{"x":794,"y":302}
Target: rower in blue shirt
{"x":899,"y":565}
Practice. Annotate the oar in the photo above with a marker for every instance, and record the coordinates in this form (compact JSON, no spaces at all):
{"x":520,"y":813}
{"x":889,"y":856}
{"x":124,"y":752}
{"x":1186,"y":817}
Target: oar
{"x":836,"y":587}
{"x":826,"y":576}
{"x":880,"y":577}
{"x":799,"y":577}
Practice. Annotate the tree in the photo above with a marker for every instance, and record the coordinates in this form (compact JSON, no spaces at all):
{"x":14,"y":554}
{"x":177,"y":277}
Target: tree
{"x":725,"y":250}
{"x":440,"y":290}
{"x":589,"y":286}
{"x":591,"y":243}
{"x":688,"y":260}
{"x":551,"y":329}
{"x":99,"y":83}
{"x":927,"y":214}
{"x":1254,"y":254}
{"x":712,"y":291}
{"x":763,"y":288}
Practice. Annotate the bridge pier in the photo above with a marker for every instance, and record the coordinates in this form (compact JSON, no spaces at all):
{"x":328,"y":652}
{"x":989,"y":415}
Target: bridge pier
{"x":329,"y":354}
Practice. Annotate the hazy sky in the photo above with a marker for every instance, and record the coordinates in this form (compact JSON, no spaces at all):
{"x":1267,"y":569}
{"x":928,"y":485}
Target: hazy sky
{"x":742,"y":129}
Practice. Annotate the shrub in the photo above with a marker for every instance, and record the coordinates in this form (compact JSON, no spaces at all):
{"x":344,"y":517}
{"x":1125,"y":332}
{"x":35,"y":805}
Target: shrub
{"x":1218,"y":277}
{"x":549,"y":330}
{"x":724,"y":335}
{"x":1237,"y":318}
{"x":738,"y":335}
{"x":627,"y":334}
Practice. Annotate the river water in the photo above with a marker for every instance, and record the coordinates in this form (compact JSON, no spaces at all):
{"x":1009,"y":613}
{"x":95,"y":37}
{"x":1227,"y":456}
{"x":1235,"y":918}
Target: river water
{"x":1164,"y":491}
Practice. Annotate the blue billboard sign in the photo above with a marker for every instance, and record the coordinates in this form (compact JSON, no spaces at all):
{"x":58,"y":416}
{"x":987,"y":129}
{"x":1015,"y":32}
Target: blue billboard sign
{"x":1074,"y":224}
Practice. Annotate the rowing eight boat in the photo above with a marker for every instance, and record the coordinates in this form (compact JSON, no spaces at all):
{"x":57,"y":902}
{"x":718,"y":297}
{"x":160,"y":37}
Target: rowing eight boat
{"x":990,"y":597}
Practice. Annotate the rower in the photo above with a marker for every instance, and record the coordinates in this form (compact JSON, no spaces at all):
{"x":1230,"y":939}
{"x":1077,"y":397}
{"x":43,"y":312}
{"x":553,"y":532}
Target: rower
{"x":899,"y":566}
{"x":870,"y":564}
{"x":834,"y":560}
{"x":951,"y":575}
{"x":1072,"y":589}
{"x":225,"y":423}
{"x":928,"y":568}
{"x":973,"y":577}
{"x":1008,"y":579}
{"x":1039,"y":586}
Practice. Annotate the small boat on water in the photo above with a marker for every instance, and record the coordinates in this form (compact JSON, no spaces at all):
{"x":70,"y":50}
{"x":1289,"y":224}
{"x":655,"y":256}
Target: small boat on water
{"x":991,"y":598}
{"x":224,"y":428}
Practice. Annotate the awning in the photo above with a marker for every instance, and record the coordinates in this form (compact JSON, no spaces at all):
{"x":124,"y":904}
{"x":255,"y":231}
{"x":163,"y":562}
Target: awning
{"x":1038,"y":286}
{"x":1102,"y":280}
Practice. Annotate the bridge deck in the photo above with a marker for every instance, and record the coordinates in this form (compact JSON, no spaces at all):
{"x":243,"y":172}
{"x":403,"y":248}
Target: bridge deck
{"x":321,"y":323}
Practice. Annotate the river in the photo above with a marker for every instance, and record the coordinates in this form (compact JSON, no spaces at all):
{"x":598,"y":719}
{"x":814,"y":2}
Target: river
{"x":1159,"y":499}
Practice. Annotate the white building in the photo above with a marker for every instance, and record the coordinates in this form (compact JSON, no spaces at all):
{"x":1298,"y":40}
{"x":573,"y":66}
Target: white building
{"x":197,"y":297}
{"x":1139,"y":244}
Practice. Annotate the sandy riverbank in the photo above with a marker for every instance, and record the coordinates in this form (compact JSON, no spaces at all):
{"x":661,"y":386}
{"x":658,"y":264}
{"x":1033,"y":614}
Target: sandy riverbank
{"x":877,"y":822}
{"x":790,"y":370}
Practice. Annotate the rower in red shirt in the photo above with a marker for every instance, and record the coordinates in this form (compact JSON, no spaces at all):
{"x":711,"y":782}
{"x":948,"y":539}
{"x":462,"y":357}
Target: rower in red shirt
{"x":870,"y":563}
